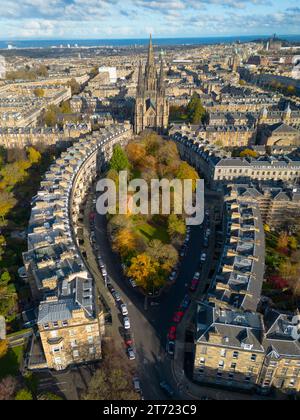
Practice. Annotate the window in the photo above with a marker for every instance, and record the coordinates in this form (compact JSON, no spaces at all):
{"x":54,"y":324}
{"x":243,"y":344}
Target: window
{"x":91,"y":340}
{"x":54,"y":334}
{"x":89,"y":329}
{"x":73,"y":343}
{"x":75,"y":353}
{"x":223,"y":353}
{"x":46,"y":326}
{"x":92,"y":350}
{"x":203,"y":350}
{"x":253,"y":358}
{"x":221,"y":364}
{"x":202,"y":361}
{"x":236,"y":355}
{"x":65,"y":323}
{"x":233,"y":366}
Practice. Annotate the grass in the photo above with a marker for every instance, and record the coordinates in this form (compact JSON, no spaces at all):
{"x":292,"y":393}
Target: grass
{"x":10,"y":364}
{"x":150,"y":232}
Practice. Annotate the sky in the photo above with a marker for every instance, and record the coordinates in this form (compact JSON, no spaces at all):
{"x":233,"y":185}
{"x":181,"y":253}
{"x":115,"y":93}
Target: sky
{"x":108,"y":19}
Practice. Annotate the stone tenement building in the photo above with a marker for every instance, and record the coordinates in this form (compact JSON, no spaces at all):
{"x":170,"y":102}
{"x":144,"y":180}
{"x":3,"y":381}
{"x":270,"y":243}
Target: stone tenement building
{"x":152,"y":106}
{"x":277,"y":204}
{"x":235,"y":346}
{"x":11,"y":137}
{"x":70,"y":317}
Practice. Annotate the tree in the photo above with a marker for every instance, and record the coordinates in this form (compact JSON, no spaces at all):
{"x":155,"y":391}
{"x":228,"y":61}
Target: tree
{"x":119,"y":161}
{"x":50,"y":117}
{"x":187,"y":172}
{"x":39,"y":92}
{"x":136,"y":153}
{"x":196,"y":111}
{"x":33,"y":155}
{"x":75,"y":86}
{"x":176,"y":226}
{"x":293,"y":243}
{"x":24,"y":395}
{"x":283,"y":241}
{"x":3,"y":348}
{"x":65,"y":108}
{"x":7,"y":202}
{"x":8,"y":388}
{"x":141,"y":269}
{"x":166,"y":255}
{"x":249,"y":153}
{"x":125,"y":242}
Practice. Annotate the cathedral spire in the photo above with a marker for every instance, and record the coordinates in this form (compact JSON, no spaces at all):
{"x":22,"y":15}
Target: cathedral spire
{"x":150,"y":52}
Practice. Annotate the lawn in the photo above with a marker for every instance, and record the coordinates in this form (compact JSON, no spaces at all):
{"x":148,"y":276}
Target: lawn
{"x":151,"y":232}
{"x":10,"y":364}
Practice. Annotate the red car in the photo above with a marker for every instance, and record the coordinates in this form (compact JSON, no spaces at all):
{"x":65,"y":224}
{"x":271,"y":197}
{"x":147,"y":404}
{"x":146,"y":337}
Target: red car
{"x":128,"y":340}
{"x":172,"y":333}
{"x":178,"y":317}
{"x":194,"y":285}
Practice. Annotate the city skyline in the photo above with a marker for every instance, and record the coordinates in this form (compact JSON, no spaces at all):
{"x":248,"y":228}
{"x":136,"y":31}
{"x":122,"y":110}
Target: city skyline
{"x":111,"y":19}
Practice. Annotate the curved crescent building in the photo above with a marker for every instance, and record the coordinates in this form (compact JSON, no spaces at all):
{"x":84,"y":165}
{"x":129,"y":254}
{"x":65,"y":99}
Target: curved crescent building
{"x":70,"y":320}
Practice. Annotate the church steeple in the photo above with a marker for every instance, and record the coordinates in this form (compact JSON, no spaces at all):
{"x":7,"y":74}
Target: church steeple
{"x":150,"y":74}
{"x":150,"y":53}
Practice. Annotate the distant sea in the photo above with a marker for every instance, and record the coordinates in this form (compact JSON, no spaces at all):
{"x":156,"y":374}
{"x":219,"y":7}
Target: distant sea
{"x":137,"y":42}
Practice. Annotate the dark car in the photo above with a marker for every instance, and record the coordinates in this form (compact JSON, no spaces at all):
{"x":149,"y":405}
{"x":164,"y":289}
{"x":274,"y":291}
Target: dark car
{"x":170,"y":348}
{"x":186,"y":302}
{"x":194,"y":285}
{"x":167,"y":388}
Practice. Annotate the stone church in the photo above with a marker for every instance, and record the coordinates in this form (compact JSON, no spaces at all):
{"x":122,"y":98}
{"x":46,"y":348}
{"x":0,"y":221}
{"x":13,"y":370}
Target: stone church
{"x":152,"y":106}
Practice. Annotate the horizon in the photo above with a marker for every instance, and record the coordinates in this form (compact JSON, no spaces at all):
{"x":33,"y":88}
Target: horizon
{"x":146,"y":38}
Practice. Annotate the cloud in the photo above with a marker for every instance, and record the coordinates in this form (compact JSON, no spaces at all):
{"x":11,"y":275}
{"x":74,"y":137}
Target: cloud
{"x":134,"y":18}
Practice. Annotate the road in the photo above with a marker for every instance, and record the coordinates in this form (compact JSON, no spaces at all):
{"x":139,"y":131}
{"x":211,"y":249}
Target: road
{"x":150,"y":327}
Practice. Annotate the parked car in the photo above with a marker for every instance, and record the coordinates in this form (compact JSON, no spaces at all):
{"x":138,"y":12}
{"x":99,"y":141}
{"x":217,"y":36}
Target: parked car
{"x":183,"y":251}
{"x":186,"y":302}
{"x":111,"y":288}
{"x":132,"y":283}
{"x":206,"y":242}
{"x":124,"y":309}
{"x":126,"y":323}
{"x":203,"y":257}
{"x":170,"y":348}
{"x":194,"y":285}
{"x":137,"y":385}
{"x":173,"y":276}
{"x":104,"y":272}
{"x":172,"y":333}
{"x":131,"y":353}
{"x":128,"y":339}
{"x":178,"y":317}
{"x":167,"y":388}
{"x":116,"y":296}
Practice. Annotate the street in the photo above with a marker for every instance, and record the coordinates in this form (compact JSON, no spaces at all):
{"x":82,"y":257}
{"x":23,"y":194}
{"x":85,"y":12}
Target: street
{"x":150,"y":327}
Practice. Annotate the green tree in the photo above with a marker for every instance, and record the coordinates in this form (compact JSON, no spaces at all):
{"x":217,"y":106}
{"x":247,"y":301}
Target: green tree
{"x":7,"y":203}
{"x":119,"y":161}
{"x":24,"y":395}
{"x":65,"y":108}
{"x":176,"y":227}
{"x":34,"y":155}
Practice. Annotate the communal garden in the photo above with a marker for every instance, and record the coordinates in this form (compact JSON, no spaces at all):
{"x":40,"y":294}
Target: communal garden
{"x":149,"y":244}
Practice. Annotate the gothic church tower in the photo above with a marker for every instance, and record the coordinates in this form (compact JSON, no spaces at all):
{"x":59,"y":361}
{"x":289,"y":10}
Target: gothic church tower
{"x":151,"y":106}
